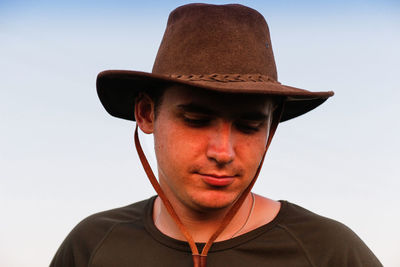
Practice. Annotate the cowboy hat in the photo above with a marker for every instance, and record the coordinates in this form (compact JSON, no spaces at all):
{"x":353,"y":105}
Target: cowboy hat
{"x":225,"y":48}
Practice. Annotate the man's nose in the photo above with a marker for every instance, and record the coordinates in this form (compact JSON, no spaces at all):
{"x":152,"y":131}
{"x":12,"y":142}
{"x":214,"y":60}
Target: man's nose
{"x":220,"y":147}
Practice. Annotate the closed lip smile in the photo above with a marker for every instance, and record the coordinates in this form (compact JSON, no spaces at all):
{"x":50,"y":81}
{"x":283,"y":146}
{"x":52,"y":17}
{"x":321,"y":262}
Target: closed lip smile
{"x":218,"y":180}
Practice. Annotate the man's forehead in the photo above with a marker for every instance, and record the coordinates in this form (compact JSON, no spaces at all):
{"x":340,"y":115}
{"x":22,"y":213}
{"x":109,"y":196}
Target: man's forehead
{"x":208,"y":101}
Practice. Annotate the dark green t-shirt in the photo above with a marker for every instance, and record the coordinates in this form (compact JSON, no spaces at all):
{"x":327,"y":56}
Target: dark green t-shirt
{"x":296,"y":237}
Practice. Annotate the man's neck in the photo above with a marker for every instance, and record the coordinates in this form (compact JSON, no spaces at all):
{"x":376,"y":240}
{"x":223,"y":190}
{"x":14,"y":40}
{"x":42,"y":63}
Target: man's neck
{"x":251,"y":215}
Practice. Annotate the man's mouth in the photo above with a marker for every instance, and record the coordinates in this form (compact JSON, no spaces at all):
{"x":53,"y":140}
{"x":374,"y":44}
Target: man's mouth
{"x":218,"y":180}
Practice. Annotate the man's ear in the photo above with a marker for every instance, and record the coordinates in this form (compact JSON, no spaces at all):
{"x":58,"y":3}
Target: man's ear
{"x":144,"y":113}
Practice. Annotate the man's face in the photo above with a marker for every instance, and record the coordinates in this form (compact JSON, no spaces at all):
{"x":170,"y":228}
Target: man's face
{"x":209,"y":145}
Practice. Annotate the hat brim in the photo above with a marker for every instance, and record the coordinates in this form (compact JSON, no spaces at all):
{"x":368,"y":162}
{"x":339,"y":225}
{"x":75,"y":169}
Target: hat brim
{"x":117,"y":90}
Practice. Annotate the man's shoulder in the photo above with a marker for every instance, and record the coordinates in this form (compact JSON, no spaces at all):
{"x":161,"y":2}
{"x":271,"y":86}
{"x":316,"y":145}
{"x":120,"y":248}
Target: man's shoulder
{"x":296,"y":216}
{"x":319,"y":237}
{"x":102,"y":222}
{"x":111,"y":217}
{"x":302,"y":222}
{"x":86,"y":236}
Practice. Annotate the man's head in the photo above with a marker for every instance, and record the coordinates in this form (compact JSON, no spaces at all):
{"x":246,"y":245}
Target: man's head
{"x":208,"y":144}
{"x":218,"y":65}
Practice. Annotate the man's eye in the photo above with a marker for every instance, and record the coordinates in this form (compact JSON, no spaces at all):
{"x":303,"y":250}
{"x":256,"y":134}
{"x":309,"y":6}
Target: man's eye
{"x":196,"y":121}
{"x":248,"y":126}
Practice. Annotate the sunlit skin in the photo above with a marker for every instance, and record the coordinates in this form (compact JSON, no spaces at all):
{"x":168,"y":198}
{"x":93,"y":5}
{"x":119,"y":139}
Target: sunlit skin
{"x":208,"y":147}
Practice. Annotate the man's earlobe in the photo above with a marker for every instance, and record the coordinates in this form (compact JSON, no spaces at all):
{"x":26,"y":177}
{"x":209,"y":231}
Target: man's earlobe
{"x":144,"y":113}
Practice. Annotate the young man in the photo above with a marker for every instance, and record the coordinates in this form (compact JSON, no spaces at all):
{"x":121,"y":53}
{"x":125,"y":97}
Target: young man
{"x":213,"y":104}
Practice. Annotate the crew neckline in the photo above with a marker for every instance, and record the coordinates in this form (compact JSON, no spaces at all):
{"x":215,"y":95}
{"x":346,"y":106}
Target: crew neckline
{"x":217,"y":246}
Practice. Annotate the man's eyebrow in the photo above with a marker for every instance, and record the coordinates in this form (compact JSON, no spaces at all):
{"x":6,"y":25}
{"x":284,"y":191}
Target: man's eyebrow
{"x":256,"y":116}
{"x":196,"y":109}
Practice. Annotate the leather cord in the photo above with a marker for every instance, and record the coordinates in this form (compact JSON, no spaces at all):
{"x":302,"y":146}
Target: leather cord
{"x":160,"y":192}
{"x":200,"y":260}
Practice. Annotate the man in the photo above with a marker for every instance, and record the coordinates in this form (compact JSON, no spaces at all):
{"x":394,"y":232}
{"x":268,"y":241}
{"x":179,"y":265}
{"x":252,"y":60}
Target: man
{"x":213,"y":104}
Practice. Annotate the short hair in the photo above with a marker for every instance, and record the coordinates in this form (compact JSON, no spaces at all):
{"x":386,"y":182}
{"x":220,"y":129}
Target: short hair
{"x":156,"y":95}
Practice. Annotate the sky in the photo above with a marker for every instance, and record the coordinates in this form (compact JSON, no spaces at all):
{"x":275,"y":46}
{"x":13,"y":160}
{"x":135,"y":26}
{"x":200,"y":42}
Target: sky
{"x":62,"y":157}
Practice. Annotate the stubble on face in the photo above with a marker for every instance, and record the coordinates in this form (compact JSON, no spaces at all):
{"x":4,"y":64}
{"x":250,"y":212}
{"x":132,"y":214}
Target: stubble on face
{"x":190,"y":144}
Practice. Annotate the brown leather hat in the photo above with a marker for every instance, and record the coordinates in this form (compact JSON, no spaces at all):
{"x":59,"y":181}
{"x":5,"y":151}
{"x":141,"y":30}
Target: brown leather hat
{"x":225,"y":48}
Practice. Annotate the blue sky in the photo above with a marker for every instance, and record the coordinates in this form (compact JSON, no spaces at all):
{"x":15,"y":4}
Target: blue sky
{"x":63,"y":157}
{"x":95,"y":8}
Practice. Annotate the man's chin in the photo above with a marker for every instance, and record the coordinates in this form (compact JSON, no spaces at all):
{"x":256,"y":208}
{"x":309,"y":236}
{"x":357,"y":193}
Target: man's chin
{"x":213,"y":204}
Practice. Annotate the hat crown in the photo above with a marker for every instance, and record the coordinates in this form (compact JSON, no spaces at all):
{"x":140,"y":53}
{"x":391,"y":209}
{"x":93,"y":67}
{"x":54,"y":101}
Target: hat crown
{"x":203,"y":39}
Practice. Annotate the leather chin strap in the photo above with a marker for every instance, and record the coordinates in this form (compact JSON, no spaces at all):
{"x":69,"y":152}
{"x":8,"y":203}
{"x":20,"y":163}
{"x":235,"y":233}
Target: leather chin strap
{"x":199,"y":260}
